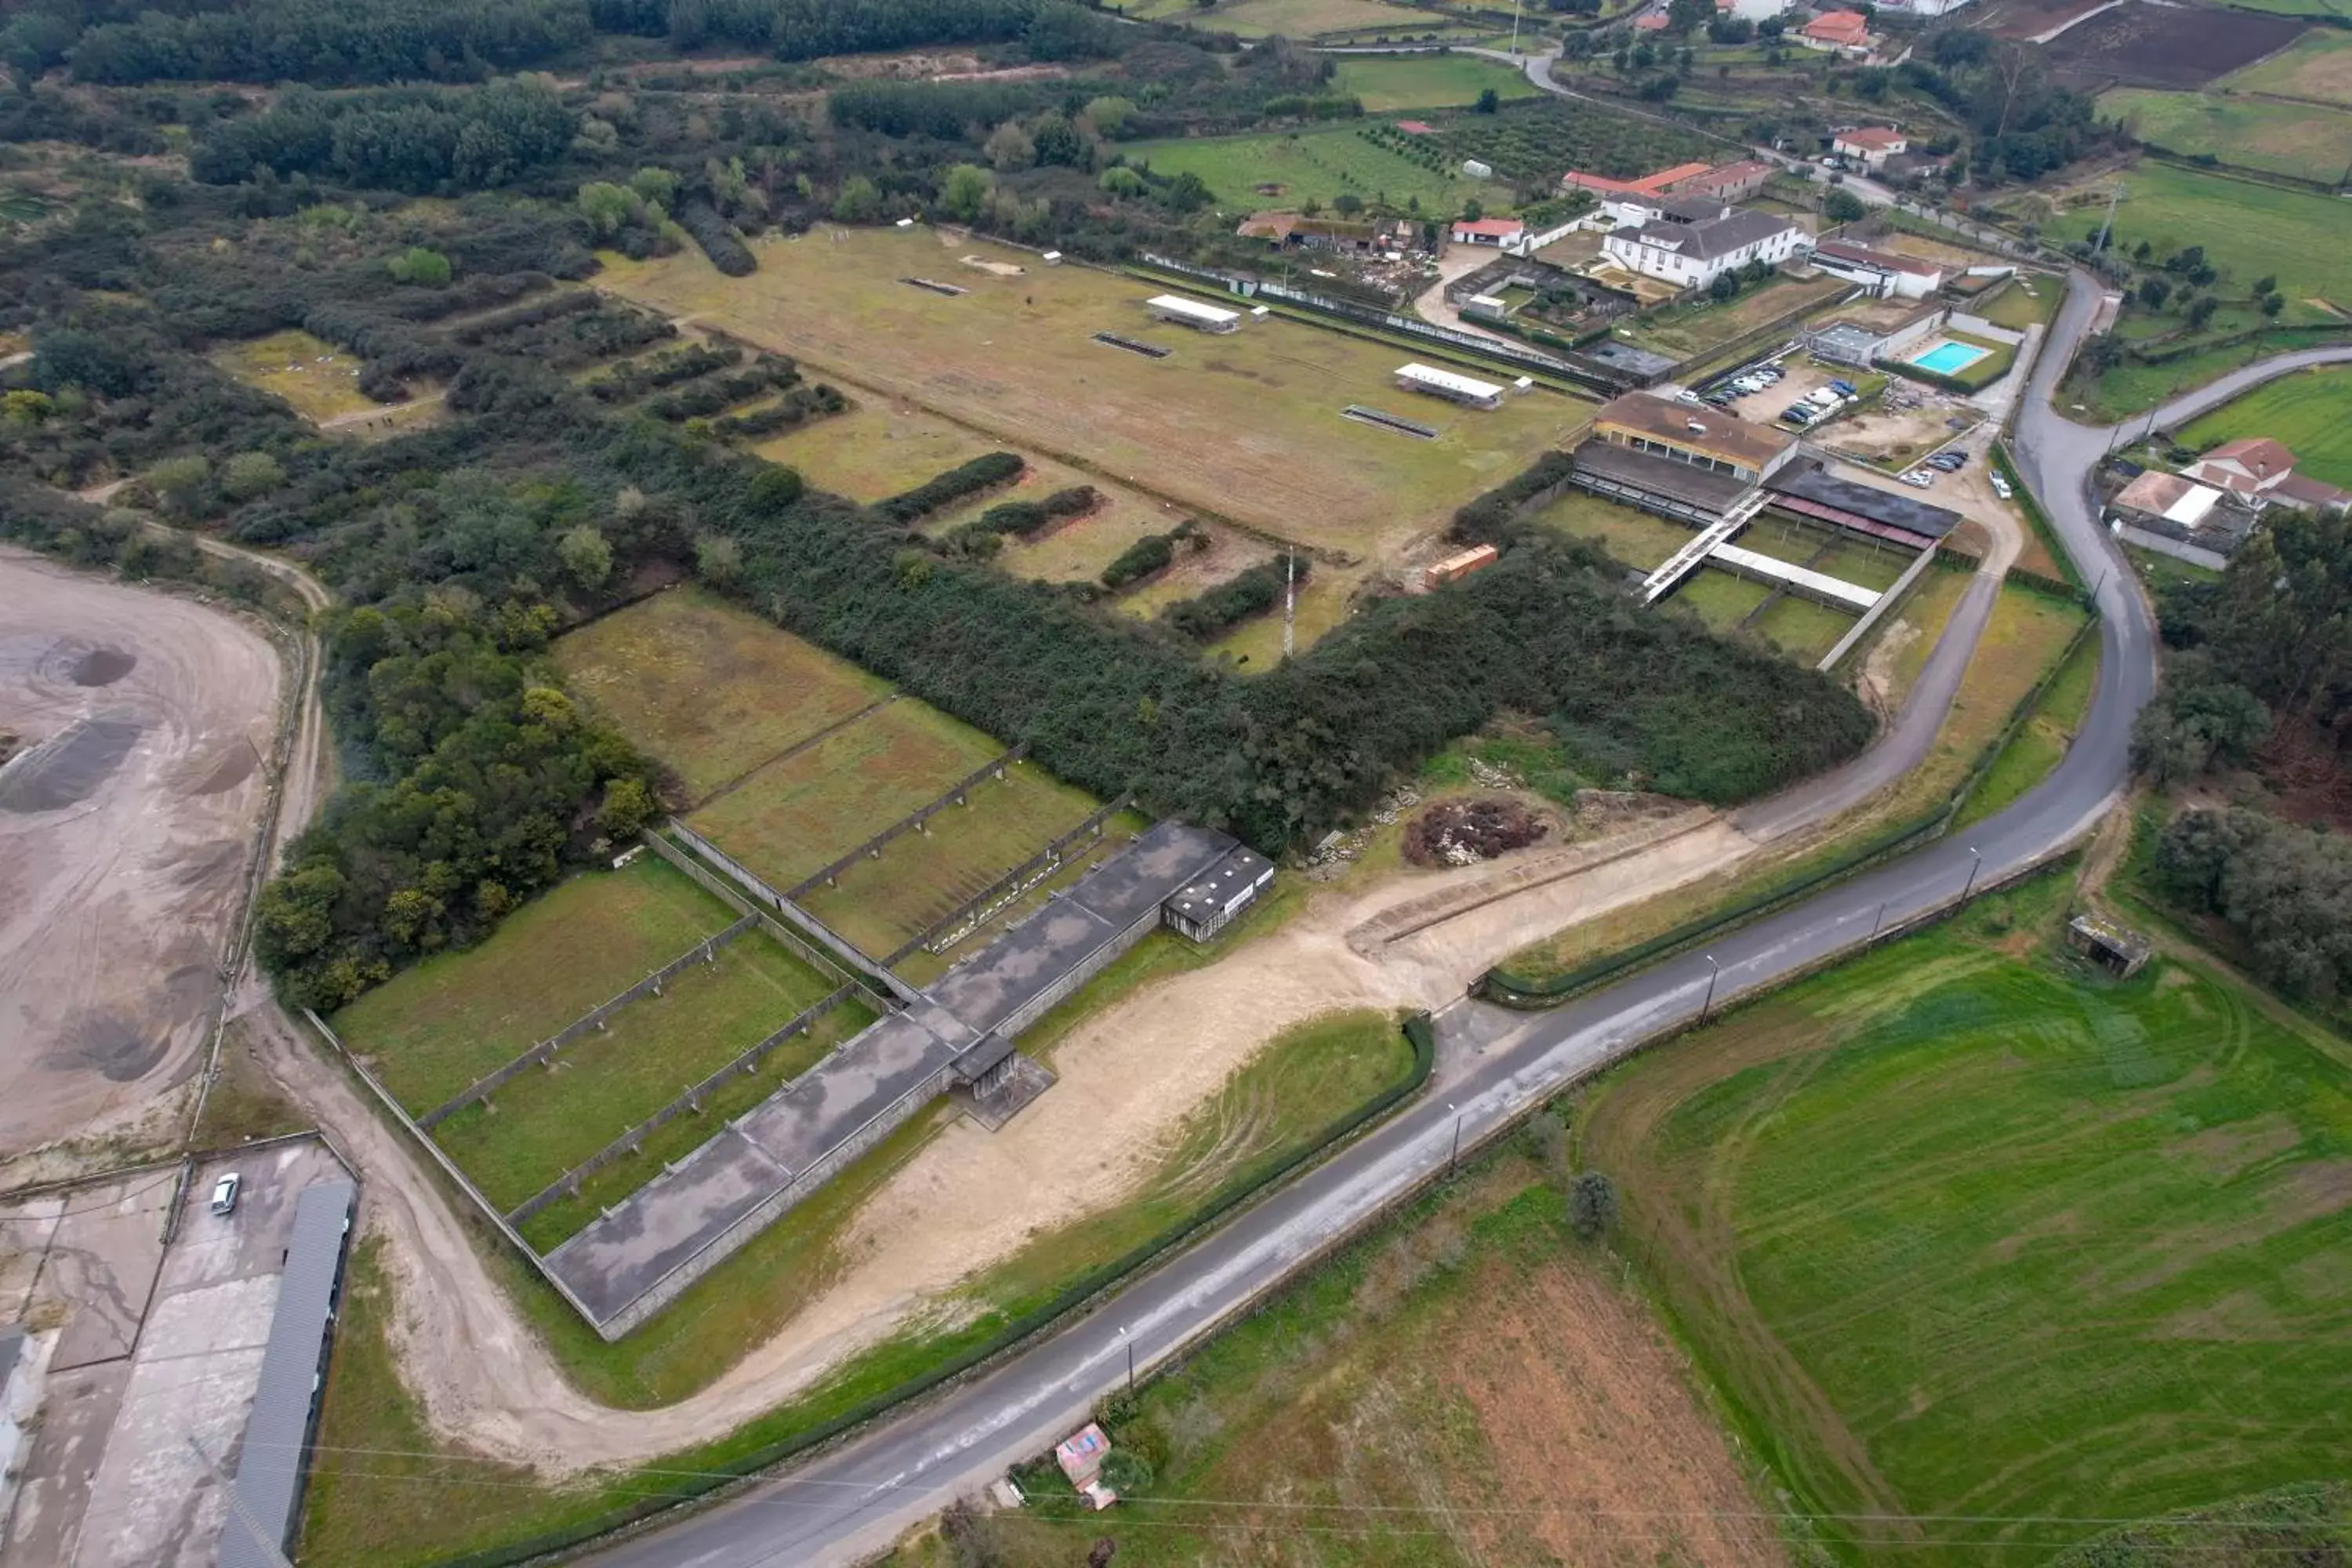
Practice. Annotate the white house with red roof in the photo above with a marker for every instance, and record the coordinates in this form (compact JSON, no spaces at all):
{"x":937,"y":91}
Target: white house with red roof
{"x":1870,"y":145}
{"x":2260,"y":472}
{"x":1489,"y":231}
{"x":1843,"y":32}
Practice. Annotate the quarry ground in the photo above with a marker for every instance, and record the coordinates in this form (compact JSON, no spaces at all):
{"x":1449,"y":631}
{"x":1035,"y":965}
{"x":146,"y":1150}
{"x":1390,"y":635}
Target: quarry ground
{"x":127,"y":831}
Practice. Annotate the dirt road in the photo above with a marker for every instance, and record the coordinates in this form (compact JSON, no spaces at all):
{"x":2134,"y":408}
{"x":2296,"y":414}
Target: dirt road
{"x":126,"y":834}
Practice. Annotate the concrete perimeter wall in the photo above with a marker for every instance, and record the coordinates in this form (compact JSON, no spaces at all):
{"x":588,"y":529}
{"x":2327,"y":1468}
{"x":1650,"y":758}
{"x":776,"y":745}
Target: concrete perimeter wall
{"x":736,"y":1236}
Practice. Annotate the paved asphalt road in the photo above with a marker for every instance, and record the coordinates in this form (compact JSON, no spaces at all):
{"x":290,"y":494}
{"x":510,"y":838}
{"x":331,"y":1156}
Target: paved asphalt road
{"x":850,"y":1502}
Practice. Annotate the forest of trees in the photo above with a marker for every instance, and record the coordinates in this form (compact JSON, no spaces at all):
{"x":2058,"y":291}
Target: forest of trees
{"x":2264,"y":654}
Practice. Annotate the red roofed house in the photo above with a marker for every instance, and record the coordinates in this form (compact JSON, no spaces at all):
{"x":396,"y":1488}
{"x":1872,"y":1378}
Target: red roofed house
{"x":1846,"y":32}
{"x":1416,"y":128}
{"x":1647,"y":186}
{"x":1494,"y":231}
{"x":1870,"y":144}
{"x":1081,"y":1455}
{"x":1726,"y":183}
{"x":1653,"y":22}
{"x":2260,"y":472}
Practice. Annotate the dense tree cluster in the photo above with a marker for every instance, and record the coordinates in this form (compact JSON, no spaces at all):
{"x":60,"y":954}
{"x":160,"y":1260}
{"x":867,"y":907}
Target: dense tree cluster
{"x":319,"y":41}
{"x":988,"y":469}
{"x":2278,"y":624}
{"x":412,"y":139}
{"x":2285,"y":889}
{"x":2025,"y":123}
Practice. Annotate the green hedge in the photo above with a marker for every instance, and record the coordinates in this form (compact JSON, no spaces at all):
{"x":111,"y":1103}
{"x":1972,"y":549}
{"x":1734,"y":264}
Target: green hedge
{"x":681,"y":1488}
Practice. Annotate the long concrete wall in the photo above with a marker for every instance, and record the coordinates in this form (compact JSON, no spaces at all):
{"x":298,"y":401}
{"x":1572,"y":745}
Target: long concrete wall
{"x":735,"y":1237}
{"x":843,"y":952}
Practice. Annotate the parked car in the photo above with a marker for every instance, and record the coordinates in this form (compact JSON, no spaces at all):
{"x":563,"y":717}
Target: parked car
{"x":1843,"y":388}
{"x":2000,"y":487}
{"x":1918,"y":478}
{"x":225,"y":1194}
{"x":1687,"y":396}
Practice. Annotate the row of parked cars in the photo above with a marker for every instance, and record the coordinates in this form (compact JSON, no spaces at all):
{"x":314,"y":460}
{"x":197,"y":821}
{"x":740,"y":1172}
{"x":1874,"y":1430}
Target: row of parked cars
{"x":1950,"y":461}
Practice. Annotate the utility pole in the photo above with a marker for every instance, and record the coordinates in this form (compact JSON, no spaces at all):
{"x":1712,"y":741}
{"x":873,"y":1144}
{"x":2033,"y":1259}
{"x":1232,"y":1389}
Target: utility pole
{"x":1454,"y":1158}
{"x":1975,"y":866}
{"x":1712,"y":971}
{"x":1514,"y":28}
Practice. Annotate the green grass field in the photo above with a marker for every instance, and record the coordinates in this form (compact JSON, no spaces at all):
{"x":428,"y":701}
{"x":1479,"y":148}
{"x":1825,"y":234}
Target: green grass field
{"x":433,"y":1029}
{"x":1687,"y":330}
{"x":1965,"y":1232}
{"x":2317,"y":66}
{"x":881,"y":904}
{"x":1427,"y":82}
{"x":1630,"y":535}
{"x":2027,"y":303}
{"x":2248,"y":230}
{"x":1306,"y":18}
{"x":649,"y":1052}
{"x":291,"y":364}
{"x":2040,"y":744}
{"x":2301,"y":139}
{"x":1313,"y":165}
{"x":2311,"y":412}
{"x":798,"y":815}
{"x":1266,"y":399}
{"x":710,"y":691}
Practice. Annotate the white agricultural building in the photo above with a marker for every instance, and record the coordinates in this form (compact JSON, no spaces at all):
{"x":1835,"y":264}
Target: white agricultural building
{"x":1446,"y":383}
{"x":1192,"y":313}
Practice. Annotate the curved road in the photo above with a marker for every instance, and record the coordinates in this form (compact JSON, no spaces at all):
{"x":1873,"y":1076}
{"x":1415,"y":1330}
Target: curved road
{"x":851,"y":1501}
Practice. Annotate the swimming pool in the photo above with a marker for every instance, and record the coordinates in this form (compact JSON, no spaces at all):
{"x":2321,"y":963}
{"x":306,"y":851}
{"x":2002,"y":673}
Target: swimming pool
{"x":1949,"y":358}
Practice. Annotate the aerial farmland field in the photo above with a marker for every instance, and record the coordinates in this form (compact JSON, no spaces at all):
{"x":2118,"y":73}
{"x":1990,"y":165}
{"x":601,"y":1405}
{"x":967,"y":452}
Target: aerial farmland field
{"x":2302,"y":140}
{"x":2311,"y":412}
{"x":2318,"y":66}
{"x":1997,"y":1249}
{"x":1284,"y":168}
{"x":1247,"y":425}
{"x":711,"y":691}
{"x":438,"y":1026}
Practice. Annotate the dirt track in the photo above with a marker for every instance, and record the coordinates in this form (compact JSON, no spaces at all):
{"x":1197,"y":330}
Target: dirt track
{"x":126,"y":832}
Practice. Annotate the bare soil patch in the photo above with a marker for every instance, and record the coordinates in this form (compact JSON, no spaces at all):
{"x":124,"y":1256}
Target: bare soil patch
{"x":126,"y":829}
{"x":2167,"y":46}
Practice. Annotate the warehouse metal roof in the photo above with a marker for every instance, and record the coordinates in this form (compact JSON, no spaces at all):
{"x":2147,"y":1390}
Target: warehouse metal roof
{"x":269,"y":1469}
{"x":1447,"y":381}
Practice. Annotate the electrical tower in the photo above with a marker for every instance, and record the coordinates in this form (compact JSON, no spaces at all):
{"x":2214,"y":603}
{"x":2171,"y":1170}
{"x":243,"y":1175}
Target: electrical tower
{"x":2107,"y":225}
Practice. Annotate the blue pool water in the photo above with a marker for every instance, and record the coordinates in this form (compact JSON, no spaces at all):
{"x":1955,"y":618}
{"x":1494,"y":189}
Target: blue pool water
{"x":1949,"y":358}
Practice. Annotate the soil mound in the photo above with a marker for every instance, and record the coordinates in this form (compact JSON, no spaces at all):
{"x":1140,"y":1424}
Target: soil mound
{"x":1465,"y":832}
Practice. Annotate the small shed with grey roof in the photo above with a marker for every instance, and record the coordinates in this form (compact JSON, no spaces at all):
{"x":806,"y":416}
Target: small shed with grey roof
{"x":273,"y":1456}
{"x":1202,"y":907}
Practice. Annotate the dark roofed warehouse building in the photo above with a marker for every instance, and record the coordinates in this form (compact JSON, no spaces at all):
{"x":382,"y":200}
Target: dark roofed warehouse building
{"x":1810,"y":491}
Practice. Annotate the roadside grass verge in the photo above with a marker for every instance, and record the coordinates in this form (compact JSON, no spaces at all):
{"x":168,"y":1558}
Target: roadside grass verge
{"x":434,"y":1028}
{"x":1966,"y":1231}
{"x":2040,"y":744}
{"x":708,"y":690}
{"x":650,"y":1052}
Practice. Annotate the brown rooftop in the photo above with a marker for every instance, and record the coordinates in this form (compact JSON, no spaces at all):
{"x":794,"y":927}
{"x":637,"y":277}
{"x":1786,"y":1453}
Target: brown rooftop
{"x":1718,"y":434}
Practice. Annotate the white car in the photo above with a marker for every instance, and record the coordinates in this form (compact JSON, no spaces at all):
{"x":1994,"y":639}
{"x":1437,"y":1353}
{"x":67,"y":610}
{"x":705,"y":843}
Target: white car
{"x":1999,"y":486}
{"x":225,"y":1194}
{"x":1686,"y":396}
{"x":1918,"y":478}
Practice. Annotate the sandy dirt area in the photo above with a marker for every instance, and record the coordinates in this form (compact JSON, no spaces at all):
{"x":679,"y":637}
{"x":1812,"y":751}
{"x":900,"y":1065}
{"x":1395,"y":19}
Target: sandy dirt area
{"x":126,"y":831}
